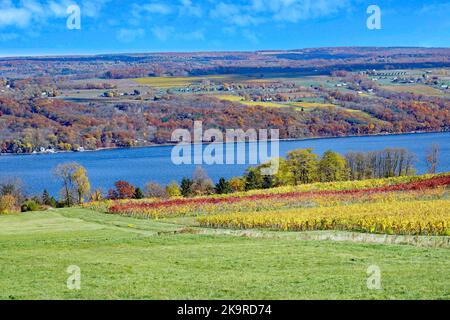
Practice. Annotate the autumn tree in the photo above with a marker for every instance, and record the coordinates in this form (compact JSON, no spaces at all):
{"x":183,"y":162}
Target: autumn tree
{"x":332,"y":167}
{"x":81,"y":184}
{"x":75,"y":182}
{"x":123,"y":190}
{"x":283,"y":176}
{"x":8,"y":204}
{"x":237,"y":184}
{"x":304,"y":164}
{"x":173,"y":190}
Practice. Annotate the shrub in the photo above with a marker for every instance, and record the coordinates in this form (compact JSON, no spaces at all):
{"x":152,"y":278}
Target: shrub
{"x":30,"y":205}
{"x":8,"y":204}
{"x":173,"y":190}
{"x":97,"y":195}
{"x":237,"y":184}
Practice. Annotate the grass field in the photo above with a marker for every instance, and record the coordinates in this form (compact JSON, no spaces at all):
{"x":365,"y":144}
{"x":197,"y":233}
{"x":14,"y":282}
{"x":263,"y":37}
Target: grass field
{"x":180,"y":82}
{"x":266,"y":244}
{"x":126,"y":258}
{"x":233,"y":98}
{"x":298,"y":106}
{"x":416,"y":88}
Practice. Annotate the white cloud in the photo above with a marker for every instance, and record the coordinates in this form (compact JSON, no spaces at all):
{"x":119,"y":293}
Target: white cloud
{"x":157,"y":8}
{"x":91,"y":8}
{"x":162,"y":33}
{"x":194,"y":35}
{"x":294,"y":11}
{"x":442,"y":8}
{"x":130,"y":35}
{"x":187,"y":8}
{"x":4,"y":37}
{"x":27,"y":13}
{"x":262,"y":11}
{"x":250,"y":36}
{"x":58,"y":9}
{"x":11,"y":16}
{"x":235,"y":14}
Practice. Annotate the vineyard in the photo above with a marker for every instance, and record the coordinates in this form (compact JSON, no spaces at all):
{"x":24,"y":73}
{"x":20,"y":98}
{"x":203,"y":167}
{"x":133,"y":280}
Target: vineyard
{"x":407,"y":206}
{"x":319,"y":237}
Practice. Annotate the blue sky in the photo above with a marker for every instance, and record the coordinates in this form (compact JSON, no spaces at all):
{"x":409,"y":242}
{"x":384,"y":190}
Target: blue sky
{"x":32,"y":27}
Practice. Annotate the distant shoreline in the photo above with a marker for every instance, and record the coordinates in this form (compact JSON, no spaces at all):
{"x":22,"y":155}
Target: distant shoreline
{"x":174,"y":144}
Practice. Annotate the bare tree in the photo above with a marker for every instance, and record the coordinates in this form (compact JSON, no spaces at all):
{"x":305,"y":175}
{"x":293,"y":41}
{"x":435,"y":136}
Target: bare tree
{"x":13,"y":187}
{"x":202,"y":184}
{"x":432,"y":158}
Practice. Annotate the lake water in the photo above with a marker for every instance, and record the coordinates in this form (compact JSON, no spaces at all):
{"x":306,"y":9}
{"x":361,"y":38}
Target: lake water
{"x":141,"y":165}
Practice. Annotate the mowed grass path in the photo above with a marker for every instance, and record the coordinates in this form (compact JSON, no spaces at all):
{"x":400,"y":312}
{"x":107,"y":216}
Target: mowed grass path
{"x":126,"y":258}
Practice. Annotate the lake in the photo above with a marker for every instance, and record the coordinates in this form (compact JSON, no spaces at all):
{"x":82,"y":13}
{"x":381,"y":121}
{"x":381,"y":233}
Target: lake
{"x":142,"y":165}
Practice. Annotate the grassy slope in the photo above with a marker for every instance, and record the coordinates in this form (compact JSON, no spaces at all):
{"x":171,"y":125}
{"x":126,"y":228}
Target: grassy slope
{"x":129,"y":258}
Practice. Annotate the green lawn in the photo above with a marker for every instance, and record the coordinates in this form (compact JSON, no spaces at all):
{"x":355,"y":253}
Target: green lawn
{"x":125,"y":258}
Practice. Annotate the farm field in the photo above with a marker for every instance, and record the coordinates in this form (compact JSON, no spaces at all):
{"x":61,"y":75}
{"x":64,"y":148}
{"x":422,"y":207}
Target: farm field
{"x":417,"y":89}
{"x":396,"y":193}
{"x":129,"y":258}
{"x":251,"y":103}
{"x":311,"y":241}
{"x":179,"y":82}
{"x":298,"y":106}
{"x":237,"y":246}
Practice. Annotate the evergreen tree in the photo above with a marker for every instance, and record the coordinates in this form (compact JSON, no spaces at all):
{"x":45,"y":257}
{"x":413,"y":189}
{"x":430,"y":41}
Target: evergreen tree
{"x":268,"y":182}
{"x":253,"y":179}
{"x":46,"y":199}
{"x":138,"y":194}
{"x":186,"y":187}
{"x":53,"y":202}
{"x":223,"y":187}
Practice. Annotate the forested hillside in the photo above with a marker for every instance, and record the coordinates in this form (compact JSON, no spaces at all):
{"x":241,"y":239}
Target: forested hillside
{"x":86,"y":103}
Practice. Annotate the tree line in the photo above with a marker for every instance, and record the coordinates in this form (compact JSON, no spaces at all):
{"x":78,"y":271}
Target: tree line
{"x":300,"y":166}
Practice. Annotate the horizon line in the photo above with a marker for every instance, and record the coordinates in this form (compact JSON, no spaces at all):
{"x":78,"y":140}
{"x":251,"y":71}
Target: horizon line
{"x":53,"y":55}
